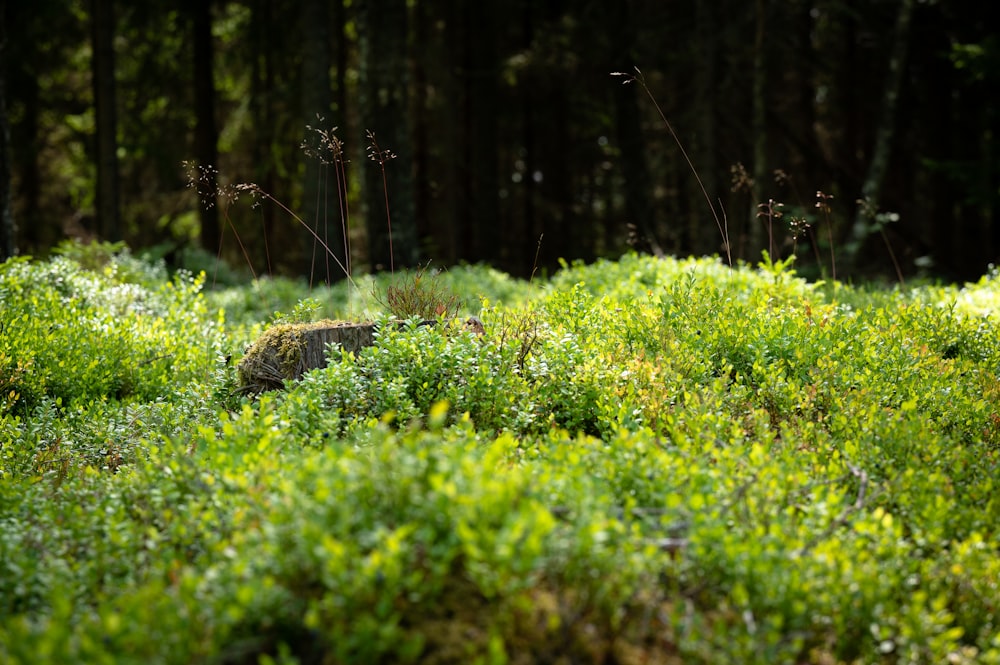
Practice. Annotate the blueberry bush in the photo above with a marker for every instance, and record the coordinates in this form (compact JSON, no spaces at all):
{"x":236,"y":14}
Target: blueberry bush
{"x":641,"y":460}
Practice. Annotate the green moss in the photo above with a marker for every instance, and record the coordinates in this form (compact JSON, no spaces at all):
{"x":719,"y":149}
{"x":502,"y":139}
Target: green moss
{"x":276,"y":356}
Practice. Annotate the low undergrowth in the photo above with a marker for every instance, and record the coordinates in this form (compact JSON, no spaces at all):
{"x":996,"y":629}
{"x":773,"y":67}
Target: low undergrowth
{"x":639,"y":461}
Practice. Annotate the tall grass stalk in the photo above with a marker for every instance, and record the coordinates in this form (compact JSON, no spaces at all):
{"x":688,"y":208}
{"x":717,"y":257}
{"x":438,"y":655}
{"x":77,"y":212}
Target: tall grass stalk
{"x":380,"y":156}
{"x":722,"y":222}
{"x":330,"y":152}
{"x":823,"y":204}
{"x":256,"y":191}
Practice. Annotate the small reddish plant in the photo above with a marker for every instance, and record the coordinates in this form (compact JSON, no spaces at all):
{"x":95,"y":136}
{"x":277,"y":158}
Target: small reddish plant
{"x":419,"y":294}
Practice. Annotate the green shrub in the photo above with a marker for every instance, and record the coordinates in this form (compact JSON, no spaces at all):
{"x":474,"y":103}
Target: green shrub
{"x":646,"y":460}
{"x":71,"y":335}
{"x":404,"y":374}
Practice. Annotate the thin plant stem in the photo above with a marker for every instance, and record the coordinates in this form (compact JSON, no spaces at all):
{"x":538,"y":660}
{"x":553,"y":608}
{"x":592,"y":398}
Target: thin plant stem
{"x":341,"y":170}
{"x":892,"y":255}
{"x":815,"y":247}
{"x":326,"y":219}
{"x":770,"y":210}
{"x":388,"y":217}
{"x":538,"y":250}
{"x":823,"y":203}
{"x":833,"y":260}
{"x":330,"y":151}
{"x":267,"y":248}
{"x":382,"y":156}
{"x":312,"y":265}
{"x":298,"y":219}
{"x":238,"y":242}
{"x":641,"y":80}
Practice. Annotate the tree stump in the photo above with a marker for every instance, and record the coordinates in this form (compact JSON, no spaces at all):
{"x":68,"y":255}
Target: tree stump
{"x":287,"y":351}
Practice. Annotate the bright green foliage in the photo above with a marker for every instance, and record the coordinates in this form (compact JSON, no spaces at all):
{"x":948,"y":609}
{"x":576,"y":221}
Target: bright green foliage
{"x":644,"y":461}
{"x":72,"y":335}
{"x":78,"y":343}
{"x":247,"y":307}
{"x":402,"y":377}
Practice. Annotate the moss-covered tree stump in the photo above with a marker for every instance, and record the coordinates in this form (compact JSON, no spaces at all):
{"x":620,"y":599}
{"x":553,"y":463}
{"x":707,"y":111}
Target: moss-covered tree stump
{"x":287,"y":351}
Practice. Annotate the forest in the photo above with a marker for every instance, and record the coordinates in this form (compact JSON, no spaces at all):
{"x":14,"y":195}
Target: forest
{"x":309,"y":138}
{"x":675,"y":321}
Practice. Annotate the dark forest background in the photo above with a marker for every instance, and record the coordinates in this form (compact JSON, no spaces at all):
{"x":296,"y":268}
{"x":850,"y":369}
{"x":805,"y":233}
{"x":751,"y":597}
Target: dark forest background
{"x":511,"y":141}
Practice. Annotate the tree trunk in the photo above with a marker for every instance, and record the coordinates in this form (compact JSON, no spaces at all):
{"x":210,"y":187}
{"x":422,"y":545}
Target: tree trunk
{"x":316,"y":102}
{"x":568,"y":237}
{"x":702,"y":235}
{"x":8,"y":229}
{"x":103,"y":66}
{"x":638,"y":185}
{"x":340,"y":21}
{"x":532,"y":236}
{"x":852,"y":109}
{"x":206,"y":135}
{"x":342,"y":46}
{"x":25,"y":151}
{"x":421,"y":126}
{"x":481,"y":74}
{"x":755,"y":240}
{"x":262,"y":111}
{"x":385,"y":104}
{"x":885,"y":132}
